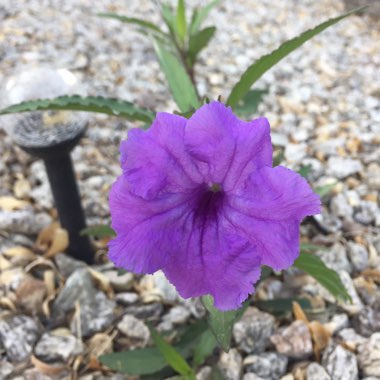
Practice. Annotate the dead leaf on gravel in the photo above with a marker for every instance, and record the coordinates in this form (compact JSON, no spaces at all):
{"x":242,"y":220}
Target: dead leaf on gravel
{"x":20,"y":255}
{"x":11,"y":204}
{"x":49,"y":280}
{"x":101,"y":343}
{"x":372,"y":274}
{"x":47,"y":369}
{"x":4,"y":264}
{"x":320,"y":336}
{"x":103,"y":282}
{"x":299,"y":314}
{"x":21,"y":188}
{"x":52,"y":240}
{"x":7,"y":303}
{"x":31,"y":293}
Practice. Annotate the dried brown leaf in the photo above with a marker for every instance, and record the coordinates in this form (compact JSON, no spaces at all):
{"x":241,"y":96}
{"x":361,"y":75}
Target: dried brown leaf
{"x":299,"y":314}
{"x":47,"y":369}
{"x":49,"y":280}
{"x":52,"y":240}
{"x":21,"y":188}
{"x":320,"y":335}
{"x":11,"y":204}
{"x":102,"y":281}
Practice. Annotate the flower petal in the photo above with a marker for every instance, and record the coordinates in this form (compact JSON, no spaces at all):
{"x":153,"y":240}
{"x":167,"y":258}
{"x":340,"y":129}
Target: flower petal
{"x":214,"y":260}
{"x":155,"y":161}
{"x":227,"y":149}
{"x":144,"y":227}
{"x":269,"y":210}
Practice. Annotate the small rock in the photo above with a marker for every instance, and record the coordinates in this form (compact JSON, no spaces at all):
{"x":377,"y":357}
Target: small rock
{"x":23,"y":221}
{"x":18,"y":334}
{"x":268,"y":365}
{"x":230,"y":364}
{"x":6,"y":368}
{"x":165,"y":289}
{"x":358,"y":256}
{"x":337,"y":323}
{"x":96,"y":310}
{"x":151,"y":311}
{"x":339,"y":363}
{"x":316,"y":372}
{"x":252,"y":376}
{"x":53,"y":347}
{"x":294,"y":341}
{"x":176,"y":315}
{"x":340,"y":207}
{"x":356,"y":305}
{"x":204,"y":373}
{"x":253,"y":330}
{"x":369,"y":356}
{"x":350,"y":338}
{"x":343,"y":167}
{"x":367,"y":321}
{"x":135,"y":329}
{"x":121,"y":282}
{"x":67,"y":265}
{"x":367,"y":213}
{"x":335,"y":257}
{"x":30,"y":294}
{"x":126,"y":298}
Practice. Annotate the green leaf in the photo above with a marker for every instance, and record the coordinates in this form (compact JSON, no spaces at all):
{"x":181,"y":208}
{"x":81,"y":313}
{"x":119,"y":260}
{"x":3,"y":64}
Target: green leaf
{"x":325,"y":189}
{"x":305,"y":170}
{"x":281,"y":306}
{"x":135,"y":362}
{"x":181,"y":21}
{"x":250,"y":102}
{"x":200,"y":15}
{"x":204,"y":348}
{"x":221,"y":323}
{"x":256,"y":70}
{"x":98,"y":104}
{"x":315,"y":267}
{"x":169,"y":18}
{"x":278,"y":158}
{"x":100,"y":231}
{"x":171,"y":355}
{"x":150,"y":360}
{"x":179,"y":82}
{"x":305,"y":247}
{"x":198,"y":42}
{"x":132,"y":20}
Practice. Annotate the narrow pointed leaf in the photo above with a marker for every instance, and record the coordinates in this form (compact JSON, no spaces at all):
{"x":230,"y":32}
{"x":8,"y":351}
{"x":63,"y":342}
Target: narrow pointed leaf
{"x":221,"y":323}
{"x":135,"y":21}
{"x":147,"y":361}
{"x":169,"y":18}
{"x":204,"y":348}
{"x":256,"y":70}
{"x":181,"y":21}
{"x":315,"y":267}
{"x":171,"y":355}
{"x":200,"y":15}
{"x":250,"y":102}
{"x":324,"y":190}
{"x":100,"y":231}
{"x":86,"y":104}
{"x":199,"y":41}
{"x":179,"y":82}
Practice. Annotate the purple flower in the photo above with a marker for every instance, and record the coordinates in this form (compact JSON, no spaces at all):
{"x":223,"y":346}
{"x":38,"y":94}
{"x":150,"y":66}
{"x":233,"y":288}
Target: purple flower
{"x":200,"y":200}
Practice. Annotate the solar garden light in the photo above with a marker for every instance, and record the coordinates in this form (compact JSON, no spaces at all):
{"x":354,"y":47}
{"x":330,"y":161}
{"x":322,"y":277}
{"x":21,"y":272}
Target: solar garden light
{"x":51,"y":136}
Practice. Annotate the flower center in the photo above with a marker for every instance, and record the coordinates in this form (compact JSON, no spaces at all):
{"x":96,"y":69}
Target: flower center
{"x":215,"y":187}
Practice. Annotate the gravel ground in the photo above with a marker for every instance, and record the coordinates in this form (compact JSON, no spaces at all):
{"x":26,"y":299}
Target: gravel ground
{"x":324,"y":108}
